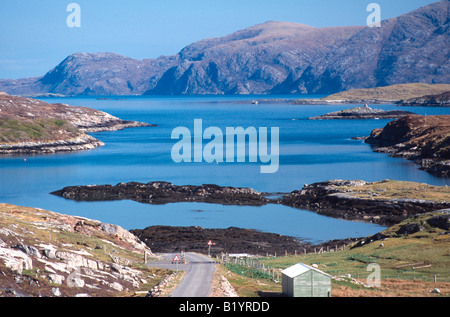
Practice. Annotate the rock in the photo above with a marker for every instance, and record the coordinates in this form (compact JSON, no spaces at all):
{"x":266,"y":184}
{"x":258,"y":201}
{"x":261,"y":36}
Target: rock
{"x":49,"y":252}
{"x":442,"y":222}
{"x":409,"y":229}
{"x":56,"y":292}
{"x":56,"y":278}
{"x":16,"y":260}
{"x":116,"y":286}
{"x":28,"y":250}
{"x":74,"y":279}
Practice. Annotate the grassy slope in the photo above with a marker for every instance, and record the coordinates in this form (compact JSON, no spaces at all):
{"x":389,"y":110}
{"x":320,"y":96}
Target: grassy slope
{"x":398,"y":259}
{"x":392,"y":189}
{"x":44,"y":227}
{"x":390,"y":93}
{"x":14,"y":130}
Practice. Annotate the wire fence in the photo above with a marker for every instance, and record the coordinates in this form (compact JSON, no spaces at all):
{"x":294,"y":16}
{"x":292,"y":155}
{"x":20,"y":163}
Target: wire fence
{"x":254,"y":267}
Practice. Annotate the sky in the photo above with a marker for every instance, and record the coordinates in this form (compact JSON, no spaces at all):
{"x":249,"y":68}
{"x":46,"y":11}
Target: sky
{"x":35,"y":36}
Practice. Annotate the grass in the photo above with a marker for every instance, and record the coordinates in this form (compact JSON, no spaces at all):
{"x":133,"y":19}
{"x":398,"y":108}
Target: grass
{"x":250,"y":287}
{"x":408,"y":265}
{"x":389,"y":93}
{"x":14,"y":130}
{"x":391,"y":189}
{"x":37,"y":226}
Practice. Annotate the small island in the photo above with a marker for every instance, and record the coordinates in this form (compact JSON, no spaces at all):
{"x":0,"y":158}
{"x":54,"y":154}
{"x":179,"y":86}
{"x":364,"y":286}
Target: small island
{"x":365,"y":112}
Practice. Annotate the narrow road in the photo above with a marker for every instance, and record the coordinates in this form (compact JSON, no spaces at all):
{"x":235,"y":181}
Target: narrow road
{"x":198,"y":278}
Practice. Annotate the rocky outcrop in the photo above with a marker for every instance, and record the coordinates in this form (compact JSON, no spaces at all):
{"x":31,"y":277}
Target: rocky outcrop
{"x":164,"y":193}
{"x":80,"y":143}
{"x":436,"y":222}
{"x":49,"y":254}
{"x":423,"y":139}
{"x":436,"y":100}
{"x":229,"y":240}
{"x":365,"y":112}
{"x":358,"y":200}
{"x":31,"y":126}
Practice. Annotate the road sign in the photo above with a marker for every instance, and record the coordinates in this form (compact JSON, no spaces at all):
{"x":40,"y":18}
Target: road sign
{"x":176,"y":258}
{"x":210,"y":243}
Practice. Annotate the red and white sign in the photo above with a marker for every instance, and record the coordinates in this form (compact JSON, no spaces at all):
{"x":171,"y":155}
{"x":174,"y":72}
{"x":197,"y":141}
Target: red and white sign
{"x":176,"y":258}
{"x":210,"y":242}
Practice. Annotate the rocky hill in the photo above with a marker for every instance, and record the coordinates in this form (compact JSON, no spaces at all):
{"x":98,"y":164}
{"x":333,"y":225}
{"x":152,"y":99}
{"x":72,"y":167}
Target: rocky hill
{"x":252,"y":60}
{"x":32,"y":126}
{"x":43,"y":253}
{"x":411,"y":48}
{"x":93,"y":74}
{"x":424,"y":139}
{"x":272,"y":57}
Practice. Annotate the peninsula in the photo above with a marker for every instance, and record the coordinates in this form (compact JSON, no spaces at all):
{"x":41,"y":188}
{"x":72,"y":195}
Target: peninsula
{"x":31,"y":126}
{"x":401,"y":94}
{"x":422,"y":139}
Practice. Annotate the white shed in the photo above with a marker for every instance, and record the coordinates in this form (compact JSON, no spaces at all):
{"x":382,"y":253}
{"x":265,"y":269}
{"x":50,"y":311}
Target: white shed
{"x":301,"y":280}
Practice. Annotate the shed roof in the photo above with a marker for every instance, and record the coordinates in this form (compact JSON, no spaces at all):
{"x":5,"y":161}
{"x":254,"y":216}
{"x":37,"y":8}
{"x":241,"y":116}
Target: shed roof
{"x":299,"y":269}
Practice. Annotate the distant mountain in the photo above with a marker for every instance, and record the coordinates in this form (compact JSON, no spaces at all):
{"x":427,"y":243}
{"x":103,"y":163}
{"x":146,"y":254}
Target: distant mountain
{"x":273,"y":57}
{"x":93,"y":74}
{"x":412,"y":48}
{"x":253,"y":60}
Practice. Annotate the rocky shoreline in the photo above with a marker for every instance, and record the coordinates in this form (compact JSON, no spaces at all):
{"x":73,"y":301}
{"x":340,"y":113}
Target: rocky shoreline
{"x":81,"y":143}
{"x":422,"y":139}
{"x":163,"y":192}
{"x":339,"y":198}
{"x":365,"y":112}
{"x":334,"y":198}
{"x":436,"y":100}
{"x":229,"y":240}
{"x":31,"y":126}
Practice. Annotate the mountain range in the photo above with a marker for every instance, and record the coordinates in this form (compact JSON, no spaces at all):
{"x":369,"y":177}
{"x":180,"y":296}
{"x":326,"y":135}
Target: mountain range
{"x":268,"y":58}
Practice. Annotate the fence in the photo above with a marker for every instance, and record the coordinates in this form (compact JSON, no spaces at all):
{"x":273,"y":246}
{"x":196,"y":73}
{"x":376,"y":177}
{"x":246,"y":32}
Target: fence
{"x":252,"y":266}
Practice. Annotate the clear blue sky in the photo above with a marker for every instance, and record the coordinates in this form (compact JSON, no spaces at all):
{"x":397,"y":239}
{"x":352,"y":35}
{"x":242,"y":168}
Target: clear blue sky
{"x":35,"y":36}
